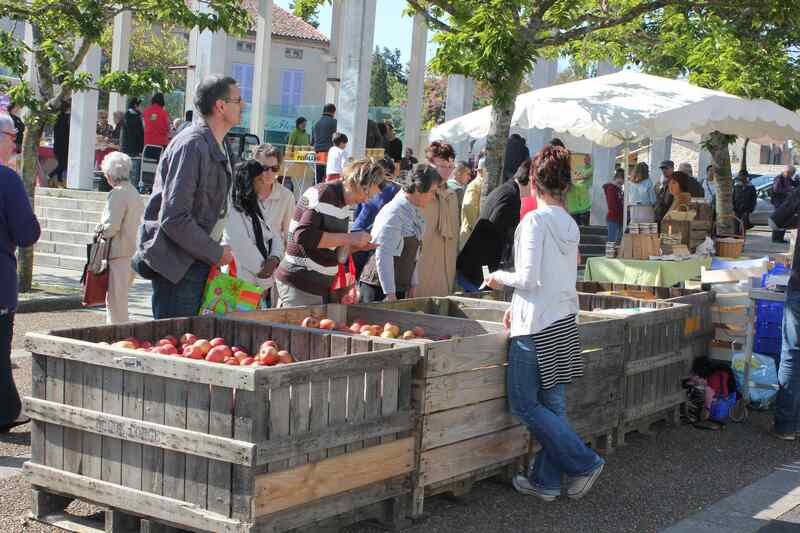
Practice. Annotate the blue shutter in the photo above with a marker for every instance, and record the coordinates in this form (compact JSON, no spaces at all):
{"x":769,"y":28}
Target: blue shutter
{"x":297,"y":88}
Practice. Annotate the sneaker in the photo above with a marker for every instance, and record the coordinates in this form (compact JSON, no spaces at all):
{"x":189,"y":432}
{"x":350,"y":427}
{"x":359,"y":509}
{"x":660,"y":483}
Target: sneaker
{"x":784,"y":436}
{"x":579,"y":486}
{"x":524,"y":486}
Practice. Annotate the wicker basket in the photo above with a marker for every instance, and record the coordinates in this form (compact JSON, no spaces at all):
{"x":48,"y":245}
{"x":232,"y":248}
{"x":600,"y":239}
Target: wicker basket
{"x":730,"y":245}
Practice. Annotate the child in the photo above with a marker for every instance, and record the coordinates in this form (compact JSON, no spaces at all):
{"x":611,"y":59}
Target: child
{"x":615,"y":199}
{"x":337,"y":157}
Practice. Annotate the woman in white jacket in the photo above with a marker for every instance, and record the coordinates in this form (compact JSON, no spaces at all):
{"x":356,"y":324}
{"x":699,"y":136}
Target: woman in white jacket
{"x":545,"y":352}
{"x":257,"y":250}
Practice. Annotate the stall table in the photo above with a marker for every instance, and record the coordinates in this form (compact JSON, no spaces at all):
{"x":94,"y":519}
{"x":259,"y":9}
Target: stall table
{"x":640,"y":272}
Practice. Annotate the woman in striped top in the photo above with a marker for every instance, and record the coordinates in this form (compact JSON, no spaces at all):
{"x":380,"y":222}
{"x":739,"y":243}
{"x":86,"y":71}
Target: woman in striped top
{"x":545,"y":351}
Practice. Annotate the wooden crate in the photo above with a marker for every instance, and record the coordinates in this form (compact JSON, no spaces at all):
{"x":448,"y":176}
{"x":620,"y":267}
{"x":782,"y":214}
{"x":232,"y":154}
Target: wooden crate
{"x":216,"y":448}
{"x":465,"y":432}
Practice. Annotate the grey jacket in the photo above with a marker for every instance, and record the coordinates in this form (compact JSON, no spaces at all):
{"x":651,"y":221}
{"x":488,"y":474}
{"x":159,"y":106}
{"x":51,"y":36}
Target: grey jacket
{"x":323,"y":131}
{"x":190,"y":192}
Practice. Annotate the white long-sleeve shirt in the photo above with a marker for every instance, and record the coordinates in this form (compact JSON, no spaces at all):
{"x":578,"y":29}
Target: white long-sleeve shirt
{"x":546,"y":268}
{"x":240,"y":237}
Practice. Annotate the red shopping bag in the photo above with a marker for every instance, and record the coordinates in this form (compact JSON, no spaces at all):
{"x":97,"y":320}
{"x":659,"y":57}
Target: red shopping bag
{"x":95,"y":288}
{"x":344,"y":288}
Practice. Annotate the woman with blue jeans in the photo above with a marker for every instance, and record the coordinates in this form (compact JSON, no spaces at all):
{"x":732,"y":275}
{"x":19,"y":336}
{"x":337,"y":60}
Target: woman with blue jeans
{"x":545,"y":352}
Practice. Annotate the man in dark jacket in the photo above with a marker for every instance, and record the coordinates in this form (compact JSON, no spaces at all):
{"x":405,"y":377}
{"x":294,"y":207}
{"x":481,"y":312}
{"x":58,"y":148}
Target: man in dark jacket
{"x":491,"y":242}
{"x":394,"y":145}
{"x":516,"y":153}
{"x":374,"y":135}
{"x":787,"y":404}
{"x":782,"y":187}
{"x":744,"y":199}
{"x":61,"y":146}
{"x":322,"y":137}
{"x":179,"y":239}
{"x":131,"y":138}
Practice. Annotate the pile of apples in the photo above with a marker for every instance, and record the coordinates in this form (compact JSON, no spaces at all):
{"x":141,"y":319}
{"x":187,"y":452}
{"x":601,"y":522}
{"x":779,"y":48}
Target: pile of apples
{"x":215,"y":350}
{"x":387,"y":331}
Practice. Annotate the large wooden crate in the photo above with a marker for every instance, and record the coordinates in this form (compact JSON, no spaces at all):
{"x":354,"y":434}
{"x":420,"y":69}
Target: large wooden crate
{"x":465,"y":432}
{"x":213,"y":448}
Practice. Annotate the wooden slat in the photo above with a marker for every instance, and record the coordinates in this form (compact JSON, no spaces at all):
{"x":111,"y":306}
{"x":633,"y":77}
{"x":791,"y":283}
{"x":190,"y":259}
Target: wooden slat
{"x":462,"y":423}
{"x":175,"y":395}
{"x":161,"y":508}
{"x":356,"y":406}
{"x":153,"y":456}
{"x":282,"y":490}
{"x":651,"y":363}
{"x":73,"y":395}
{"x":198,"y":412}
{"x":141,"y":362}
{"x":451,"y":461}
{"x":38,"y":390}
{"x":302,"y":372}
{"x":459,"y":355}
{"x":337,"y":404}
{"x":111,"y":468}
{"x":300,"y":394}
{"x":250,"y":424}
{"x":318,"y":415}
{"x":132,"y":408}
{"x":93,"y":401}
{"x":464,"y":388}
{"x":279,"y":420}
{"x":220,"y":472}
{"x":644,"y":409}
{"x":54,"y":450}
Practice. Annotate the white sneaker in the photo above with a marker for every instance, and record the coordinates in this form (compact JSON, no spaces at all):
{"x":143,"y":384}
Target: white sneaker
{"x":579,"y":486}
{"x":524,"y":486}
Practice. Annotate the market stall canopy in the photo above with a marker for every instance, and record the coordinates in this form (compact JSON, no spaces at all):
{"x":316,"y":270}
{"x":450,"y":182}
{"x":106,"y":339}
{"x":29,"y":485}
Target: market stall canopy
{"x":629,"y":106}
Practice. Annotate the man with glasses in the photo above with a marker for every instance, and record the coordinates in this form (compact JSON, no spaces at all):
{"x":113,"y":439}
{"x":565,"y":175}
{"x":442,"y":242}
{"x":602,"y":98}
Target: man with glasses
{"x":180,"y":236}
{"x":18,"y":227}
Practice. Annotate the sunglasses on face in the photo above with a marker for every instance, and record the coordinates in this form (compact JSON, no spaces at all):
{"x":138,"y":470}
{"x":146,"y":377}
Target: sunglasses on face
{"x":275,"y":168}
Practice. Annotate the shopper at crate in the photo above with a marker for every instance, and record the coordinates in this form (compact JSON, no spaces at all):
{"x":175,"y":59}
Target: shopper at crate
{"x":121,"y":218}
{"x":615,"y":201}
{"x":319,"y":240}
{"x":787,"y":404}
{"x":257,"y":248}
{"x":545,"y":352}
{"x":183,"y":222}
{"x":277,"y":202}
{"x":18,"y":228}
{"x":391,"y":272}
{"x":744,"y":199}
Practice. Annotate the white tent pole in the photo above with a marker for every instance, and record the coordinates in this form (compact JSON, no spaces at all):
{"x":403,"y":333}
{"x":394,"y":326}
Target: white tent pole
{"x":625,"y":154}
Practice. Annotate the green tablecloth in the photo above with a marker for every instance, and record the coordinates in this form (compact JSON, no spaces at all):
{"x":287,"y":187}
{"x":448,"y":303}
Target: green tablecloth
{"x":650,"y":273}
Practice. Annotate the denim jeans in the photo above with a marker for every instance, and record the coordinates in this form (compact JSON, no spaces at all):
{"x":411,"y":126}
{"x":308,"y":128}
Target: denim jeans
{"x":173,"y":300}
{"x":9,"y":397}
{"x":466,"y":284}
{"x":614,"y":231}
{"x":787,"y":405}
{"x":543,"y":411}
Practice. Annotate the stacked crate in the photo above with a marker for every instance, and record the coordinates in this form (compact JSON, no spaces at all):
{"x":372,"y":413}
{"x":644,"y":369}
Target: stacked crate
{"x":769,"y":316}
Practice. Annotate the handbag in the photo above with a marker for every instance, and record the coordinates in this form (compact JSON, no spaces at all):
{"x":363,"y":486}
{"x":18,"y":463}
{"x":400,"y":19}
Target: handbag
{"x":94,"y":280}
{"x":225,"y":293}
{"x":344,"y":288}
{"x":97,"y":253}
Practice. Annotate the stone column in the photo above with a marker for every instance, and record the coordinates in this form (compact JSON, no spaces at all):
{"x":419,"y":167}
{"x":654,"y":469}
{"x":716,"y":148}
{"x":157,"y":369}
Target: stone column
{"x":416,"y":84}
{"x":31,"y":75}
{"x":603,"y":160}
{"x":544,"y":75}
{"x":356,"y":48}
{"x":83,"y":128}
{"x":334,"y":54}
{"x":258,"y":110}
{"x":460,"y":94}
{"x":120,"y":58}
{"x":207,"y":52}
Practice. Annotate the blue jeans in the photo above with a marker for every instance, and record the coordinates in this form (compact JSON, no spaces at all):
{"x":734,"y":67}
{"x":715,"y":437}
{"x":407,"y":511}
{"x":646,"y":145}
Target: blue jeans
{"x":614,"y":231}
{"x":544,"y":412}
{"x":9,"y":397}
{"x":173,"y":300}
{"x":466,"y":284}
{"x":787,"y":404}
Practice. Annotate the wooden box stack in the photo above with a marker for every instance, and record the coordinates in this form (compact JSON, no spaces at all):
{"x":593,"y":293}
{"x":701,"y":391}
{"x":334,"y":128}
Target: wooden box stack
{"x":640,"y":246}
{"x":173,"y":442}
{"x":729,"y":315}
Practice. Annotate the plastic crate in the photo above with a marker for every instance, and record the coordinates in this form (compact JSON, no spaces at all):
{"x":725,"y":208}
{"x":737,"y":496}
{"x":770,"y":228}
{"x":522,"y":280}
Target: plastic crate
{"x":768,"y":330}
{"x":721,"y":407}
{"x":767,"y":346}
{"x":767,"y":311}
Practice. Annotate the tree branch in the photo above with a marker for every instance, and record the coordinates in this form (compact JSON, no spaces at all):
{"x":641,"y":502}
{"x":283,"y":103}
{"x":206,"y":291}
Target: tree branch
{"x":433,"y":22}
{"x":80,"y":54}
{"x":14,"y":9}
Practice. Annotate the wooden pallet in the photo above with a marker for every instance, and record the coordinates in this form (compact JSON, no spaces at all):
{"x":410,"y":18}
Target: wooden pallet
{"x":670,"y":415}
{"x":215,"y":448}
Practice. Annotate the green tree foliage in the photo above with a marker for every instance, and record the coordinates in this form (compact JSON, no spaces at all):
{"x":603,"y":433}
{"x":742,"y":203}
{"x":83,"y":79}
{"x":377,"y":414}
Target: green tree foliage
{"x":379,"y":94}
{"x":388,"y":80}
{"x":64,"y":31}
{"x":307,"y":10}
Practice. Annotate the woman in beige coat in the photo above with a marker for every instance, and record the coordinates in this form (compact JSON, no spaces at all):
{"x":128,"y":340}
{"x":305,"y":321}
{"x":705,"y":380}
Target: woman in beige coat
{"x":121,"y":218}
{"x":437,"y":262}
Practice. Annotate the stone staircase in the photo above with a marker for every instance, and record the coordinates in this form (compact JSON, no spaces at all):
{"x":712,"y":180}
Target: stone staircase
{"x":593,"y":242}
{"x":68,"y":219}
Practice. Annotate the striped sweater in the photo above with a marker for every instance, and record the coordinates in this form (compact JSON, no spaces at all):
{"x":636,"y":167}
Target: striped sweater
{"x":305,"y":265}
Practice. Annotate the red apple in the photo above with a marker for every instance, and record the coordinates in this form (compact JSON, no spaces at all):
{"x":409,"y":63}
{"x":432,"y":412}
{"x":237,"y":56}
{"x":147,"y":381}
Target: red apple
{"x":408,"y":335}
{"x":247,"y":361}
{"x":218,"y":354}
{"x":327,"y":323}
{"x":359,"y":322}
{"x":267,"y":351}
{"x":163,"y":342}
{"x":267,"y":344}
{"x":270,"y":360}
{"x":355,"y":328}
{"x":169,"y":349}
{"x":285,"y":357}
{"x":418,"y":331}
{"x":173,"y":340}
{"x":235,"y":349}
{"x":134,"y":341}
{"x":310,"y":322}
{"x":195,"y":352}
{"x":217,"y":341}
{"x":145,"y":344}
{"x":202,"y":344}
{"x":125,"y":344}
{"x":392,"y":329}
{"x":240,"y":355}
{"x":188,"y":338}
{"x":364,"y":327}
{"x":232,"y":361}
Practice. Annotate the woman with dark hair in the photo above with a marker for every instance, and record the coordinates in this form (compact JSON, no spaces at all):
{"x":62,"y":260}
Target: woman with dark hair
{"x":392,"y":270}
{"x":491,"y":240}
{"x":156,"y":122}
{"x":298,"y":136}
{"x":545,"y":349}
{"x":677,"y":185}
{"x":257,"y":249}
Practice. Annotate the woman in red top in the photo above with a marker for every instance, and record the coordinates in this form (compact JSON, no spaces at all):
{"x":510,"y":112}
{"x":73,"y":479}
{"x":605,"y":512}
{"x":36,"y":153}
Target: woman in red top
{"x":615,"y":201}
{"x":156,"y":122}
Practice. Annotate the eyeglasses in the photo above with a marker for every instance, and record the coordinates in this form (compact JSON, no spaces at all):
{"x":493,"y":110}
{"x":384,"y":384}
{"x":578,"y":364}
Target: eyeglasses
{"x":233,"y":100}
{"x":275,"y":168}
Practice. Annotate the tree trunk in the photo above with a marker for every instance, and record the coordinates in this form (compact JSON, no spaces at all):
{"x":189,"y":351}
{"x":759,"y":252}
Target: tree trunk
{"x":30,"y":165}
{"x":718,"y":147}
{"x":496,"y":144}
{"x":743,"y":164}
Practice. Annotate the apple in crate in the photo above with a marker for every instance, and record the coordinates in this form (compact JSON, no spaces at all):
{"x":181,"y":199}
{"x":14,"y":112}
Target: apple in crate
{"x":269,"y":343}
{"x":125,"y":344}
{"x":310,"y":322}
{"x":248,"y":361}
{"x":235,"y":349}
{"x":327,"y":323}
{"x":203,"y":345}
{"x":217,"y":341}
{"x":240,"y":355}
{"x":168,"y":349}
{"x":285,"y":357}
{"x":194,"y":352}
{"x":418,"y":332}
{"x":356,"y":327}
{"x":146,"y":345}
{"x":408,"y":335}
{"x":218,"y":354}
{"x":188,"y":338}
{"x":392,"y":329}
{"x":232,"y":361}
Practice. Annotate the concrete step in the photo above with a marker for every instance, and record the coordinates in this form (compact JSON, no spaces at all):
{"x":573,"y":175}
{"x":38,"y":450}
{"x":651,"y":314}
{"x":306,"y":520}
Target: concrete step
{"x":61,"y":248}
{"x":70,"y":203}
{"x":594,"y":230}
{"x":592,"y":249}
{"x":58,"y":261}
{"x":69,"y":214}
{"x":591,"y":238}
{"x":67,"y":225}
{"x":69,"y":237}
{"x":73,"y":193}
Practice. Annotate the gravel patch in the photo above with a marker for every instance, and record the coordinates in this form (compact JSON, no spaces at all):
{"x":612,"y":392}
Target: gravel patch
{"x":26,"y":322}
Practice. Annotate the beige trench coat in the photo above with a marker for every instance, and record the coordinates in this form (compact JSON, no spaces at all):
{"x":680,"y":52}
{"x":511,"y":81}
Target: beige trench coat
{"x":437,"y":263}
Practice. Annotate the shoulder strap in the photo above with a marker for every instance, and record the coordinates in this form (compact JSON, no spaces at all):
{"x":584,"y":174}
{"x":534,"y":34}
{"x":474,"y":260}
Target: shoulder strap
{"x":256,"y":218}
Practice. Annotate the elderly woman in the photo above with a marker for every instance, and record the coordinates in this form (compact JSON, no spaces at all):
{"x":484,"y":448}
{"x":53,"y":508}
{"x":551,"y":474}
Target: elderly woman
{"x":276,"y":201}
{"x":319,"y":239}
{"x":391,"y":272}
{"x":120,"y":223}
{"x":256,"y":249}
{"x":545,"y":353}
{"x":641,"y":195}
